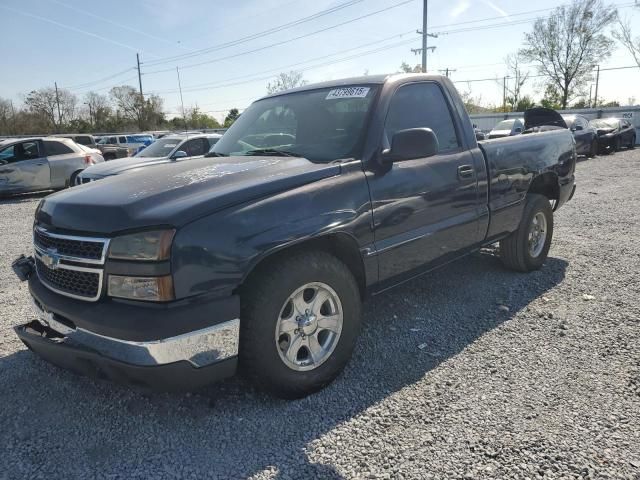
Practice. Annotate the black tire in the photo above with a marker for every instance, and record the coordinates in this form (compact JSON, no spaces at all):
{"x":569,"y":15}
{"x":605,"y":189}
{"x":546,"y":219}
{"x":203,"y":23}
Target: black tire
{"x":72,"y":179}
{"x":593,"y":149}
{"x":617,"y":144}
{"x":632,"y":145}
{"x":262,"y":300}
{"x":514,"y":250}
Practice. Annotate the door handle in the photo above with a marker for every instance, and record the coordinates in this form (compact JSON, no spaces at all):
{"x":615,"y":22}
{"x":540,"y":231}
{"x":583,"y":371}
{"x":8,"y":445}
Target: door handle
{"x":465,"y":171}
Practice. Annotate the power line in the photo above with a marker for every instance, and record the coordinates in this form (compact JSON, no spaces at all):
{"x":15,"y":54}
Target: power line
{"x":283,"y":42}
{"x":254,"y":36}
{"x":267,"y":77}
{"x":292,"y":65}
{"x":82,"y":86}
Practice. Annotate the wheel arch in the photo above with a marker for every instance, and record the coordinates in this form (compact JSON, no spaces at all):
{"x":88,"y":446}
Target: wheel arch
{"x":546,"y":184}
{"x":341,"y":245}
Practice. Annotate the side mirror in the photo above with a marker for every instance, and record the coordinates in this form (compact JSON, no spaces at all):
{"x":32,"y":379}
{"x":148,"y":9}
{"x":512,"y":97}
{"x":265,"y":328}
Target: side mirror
{"x":410,"y":144}
{"x":179,"y":154}
{"x":577,"y":128}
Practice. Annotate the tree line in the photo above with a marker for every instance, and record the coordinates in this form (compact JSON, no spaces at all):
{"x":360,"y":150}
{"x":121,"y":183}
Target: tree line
{"x":123,"y":109}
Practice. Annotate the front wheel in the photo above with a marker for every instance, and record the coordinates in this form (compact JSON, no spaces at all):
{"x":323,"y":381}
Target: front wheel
{"x":300,"y":318}
{"x":527,"y":248}
{"x":617,"y":144}
{"x":593,"y":150}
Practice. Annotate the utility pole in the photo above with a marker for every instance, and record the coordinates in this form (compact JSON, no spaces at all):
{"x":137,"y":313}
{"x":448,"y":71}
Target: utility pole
{"x":595,"y":101}
{"x":13,"y":118}
{"x":184,"y":117}
{"x":504,"y":94}
{"x":590,"y":92}
{"x":141,"y":95}
{"x":58,"y":103}
{"x":446,"y":71}
{"x":425,"y":7}
{"x":424,"y":34}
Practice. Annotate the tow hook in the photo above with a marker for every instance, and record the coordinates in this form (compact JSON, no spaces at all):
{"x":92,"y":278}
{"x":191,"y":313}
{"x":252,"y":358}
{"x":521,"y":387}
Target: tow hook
{"x":23,"y":267}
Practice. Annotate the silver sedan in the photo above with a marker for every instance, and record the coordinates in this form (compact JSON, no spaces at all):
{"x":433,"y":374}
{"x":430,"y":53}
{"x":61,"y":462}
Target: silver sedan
{"x":42,"y":163}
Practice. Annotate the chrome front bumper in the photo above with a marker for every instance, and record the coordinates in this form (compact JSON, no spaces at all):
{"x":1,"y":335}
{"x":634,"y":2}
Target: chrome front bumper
{"x":200,"y":348}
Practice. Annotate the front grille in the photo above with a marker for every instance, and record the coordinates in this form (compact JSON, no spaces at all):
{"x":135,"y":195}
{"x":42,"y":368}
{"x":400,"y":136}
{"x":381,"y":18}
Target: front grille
{"x":68,"y":246}
{"x":74,"y":282}
{"x":70,"y":265}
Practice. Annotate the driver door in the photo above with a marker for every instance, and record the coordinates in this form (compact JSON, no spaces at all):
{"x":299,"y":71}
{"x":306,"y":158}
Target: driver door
{"x":24,"y":167}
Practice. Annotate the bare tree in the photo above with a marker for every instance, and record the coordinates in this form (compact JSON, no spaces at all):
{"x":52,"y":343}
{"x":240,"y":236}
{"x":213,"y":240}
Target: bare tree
{"x":406,"y":68}
{"x":56,"y":109}
{"x":99,"y":108}
{"x":128,"y":102}
{"x":518,"y":76}
{"x":625,"y":37}
{"x":7,"y":116}
{"x":568,"y":45}
{"x":285,"y":81}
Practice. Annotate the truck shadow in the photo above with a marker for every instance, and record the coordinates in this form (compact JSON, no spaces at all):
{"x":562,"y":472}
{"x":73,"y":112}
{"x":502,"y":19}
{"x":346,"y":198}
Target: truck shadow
{"x":230,"y":431}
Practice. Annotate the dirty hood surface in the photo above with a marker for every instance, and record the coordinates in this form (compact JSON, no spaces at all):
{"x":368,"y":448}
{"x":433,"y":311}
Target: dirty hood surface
{"x":174,"y":194}
{"x":114,"y":167}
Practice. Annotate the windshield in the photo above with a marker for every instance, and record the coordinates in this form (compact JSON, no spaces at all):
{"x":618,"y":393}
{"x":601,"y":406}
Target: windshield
{"x":160,"y":148}
{"x":504,"y":125}
{"x":321,"y":125}
{"x":605,"y":123}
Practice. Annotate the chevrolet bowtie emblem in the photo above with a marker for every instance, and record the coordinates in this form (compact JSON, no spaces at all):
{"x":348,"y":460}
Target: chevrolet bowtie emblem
{"x":50,"y":258}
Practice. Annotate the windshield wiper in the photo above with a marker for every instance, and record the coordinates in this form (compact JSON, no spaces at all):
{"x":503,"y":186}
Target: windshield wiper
{"x":271,"y":152}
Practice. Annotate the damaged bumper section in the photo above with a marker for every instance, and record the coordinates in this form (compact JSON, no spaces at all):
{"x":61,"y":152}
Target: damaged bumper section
{"x":73,"y":337}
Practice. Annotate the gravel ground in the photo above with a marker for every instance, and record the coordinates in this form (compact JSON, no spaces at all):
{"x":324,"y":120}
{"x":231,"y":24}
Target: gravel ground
{"x":469,"y":372}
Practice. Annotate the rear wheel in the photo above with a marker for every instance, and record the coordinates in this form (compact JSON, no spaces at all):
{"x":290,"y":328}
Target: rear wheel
{"x":74,"y":176}
{"x":593,"y":149}
{"x":300,"y":319}
{"x":527,"y":248}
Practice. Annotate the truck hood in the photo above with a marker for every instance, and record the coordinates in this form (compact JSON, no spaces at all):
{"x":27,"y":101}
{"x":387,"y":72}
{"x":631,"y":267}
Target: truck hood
{"x":174,"y":194}
{"x":542,"y":117}
{"x":114,"y":167}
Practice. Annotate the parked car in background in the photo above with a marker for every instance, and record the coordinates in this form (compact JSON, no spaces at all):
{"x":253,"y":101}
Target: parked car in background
{"x":164,"y":150}
{"x":507,"y":128}
{"x":584,"y":134}
{"x":42,"y":163}
{"x":480,"y":135}
{"x":119,"y":146}
{"x":614,"y":133}
{"x":81,"y":139}
{"x":547,"y":119}
{"x":94,"y":152}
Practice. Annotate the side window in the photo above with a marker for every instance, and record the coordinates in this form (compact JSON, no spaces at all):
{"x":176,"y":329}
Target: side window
{"x":212,"y":141}
{"x":56,"y":148}
{"x":122,"y":140}
{"x":20,"y":151}
{"x":197,"y":146}
{"x":8,"y":155}
{"x":422,"y":105}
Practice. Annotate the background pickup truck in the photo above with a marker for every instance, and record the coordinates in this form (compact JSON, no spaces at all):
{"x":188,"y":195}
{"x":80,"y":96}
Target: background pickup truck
{"x":173,"y":276}
{"x":121,"y":146}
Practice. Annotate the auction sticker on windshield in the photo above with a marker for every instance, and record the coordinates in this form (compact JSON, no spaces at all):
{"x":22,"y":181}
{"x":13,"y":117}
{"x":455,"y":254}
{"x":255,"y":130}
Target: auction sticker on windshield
{"x":348,"y":92}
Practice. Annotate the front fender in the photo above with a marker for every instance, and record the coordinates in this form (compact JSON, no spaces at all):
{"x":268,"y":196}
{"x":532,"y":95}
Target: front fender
{"x":216,"y":253}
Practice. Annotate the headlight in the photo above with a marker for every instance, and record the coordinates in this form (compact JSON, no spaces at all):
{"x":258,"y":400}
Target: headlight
{"x":155,"y":289}
{"x":146,"y":246}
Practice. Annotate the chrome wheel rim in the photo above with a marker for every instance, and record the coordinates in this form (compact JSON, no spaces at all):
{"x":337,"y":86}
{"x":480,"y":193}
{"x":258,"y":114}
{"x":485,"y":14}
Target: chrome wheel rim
{"x":537,"y":234}
{"x":309,"y":326}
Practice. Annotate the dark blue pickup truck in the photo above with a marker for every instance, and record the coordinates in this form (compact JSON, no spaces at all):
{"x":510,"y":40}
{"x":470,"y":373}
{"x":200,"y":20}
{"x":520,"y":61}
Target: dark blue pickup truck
{"x":258,"y":256}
